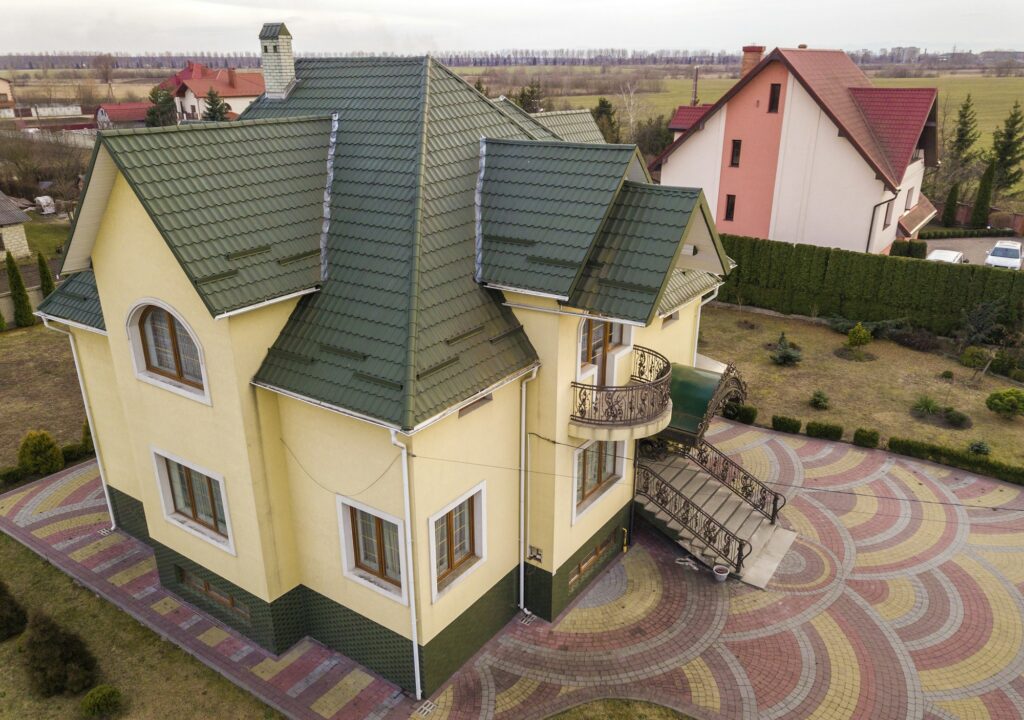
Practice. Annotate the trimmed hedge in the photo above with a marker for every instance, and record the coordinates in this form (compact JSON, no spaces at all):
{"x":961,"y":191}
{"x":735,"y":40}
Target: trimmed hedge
{"x":909,"y":248}
{"x":965,"y":233}
{"x":963,"y":459}
{"x":12,"y":475}
{"x":825,"y":431}
{"x":865,"y":438}
{"x":823,"y":282}
{"x":74,"y":452}
{"x":786,"y":424}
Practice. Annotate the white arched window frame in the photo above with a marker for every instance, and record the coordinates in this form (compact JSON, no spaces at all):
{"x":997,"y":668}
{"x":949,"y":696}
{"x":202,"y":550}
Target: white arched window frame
{"x":166,"y":351}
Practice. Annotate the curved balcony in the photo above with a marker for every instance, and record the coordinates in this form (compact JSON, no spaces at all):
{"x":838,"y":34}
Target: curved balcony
{"x":638,"y":410}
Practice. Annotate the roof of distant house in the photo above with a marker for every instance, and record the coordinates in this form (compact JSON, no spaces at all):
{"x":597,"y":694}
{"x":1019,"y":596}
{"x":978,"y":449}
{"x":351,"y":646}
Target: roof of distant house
{"x":125,"y":112}
{"x":571,"y":125}
{"x":9,"y":212}
{"x":883,"y":124}
{"x":686,"y":116}
{"x":227,"y":82}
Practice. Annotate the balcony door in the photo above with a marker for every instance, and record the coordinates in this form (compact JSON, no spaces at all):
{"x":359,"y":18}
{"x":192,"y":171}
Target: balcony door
{"x":598,"y":340}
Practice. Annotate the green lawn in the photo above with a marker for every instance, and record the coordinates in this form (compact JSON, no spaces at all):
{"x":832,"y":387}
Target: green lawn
{"x":45,"y":235}
{"x":619,"y":710}
{"x":157,"y":678}
{"x":38,"y":389}
{"x":873,"y":395}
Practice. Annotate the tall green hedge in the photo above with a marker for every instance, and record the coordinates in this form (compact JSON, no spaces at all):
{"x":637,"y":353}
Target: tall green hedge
{"x":821,"y":281}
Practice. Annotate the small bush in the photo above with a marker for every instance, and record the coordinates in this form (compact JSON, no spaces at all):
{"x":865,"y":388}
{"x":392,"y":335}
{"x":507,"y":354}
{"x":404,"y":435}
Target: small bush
{"x":785,"y":354}
{"x":87,"y":444}
{"x":1017,"y":375}
{"x":946,"y":374}
{"x":39,"y":454}
{"x":975,"y":357}
{"x":73,"y":453}
{"x":1003,"y":363}
{"x":746,"y":414}
{"x":825,"y":431}
{"x":963,"y":459}
{"x":820,"y":401}
{"x":956,"y":419}
{"x":865,"y":438}
{"x":12,"y":616}
{"x":915,"y":339}
{"x":57,"y":661}
{"x":858,"y":336}
{"x":979,"y":447}
{"x":12,"y":475}
{"x":924,"y":405}
{"x":1006,"y":403}
{"x":103,"y":701}
{"x":786,"y":424}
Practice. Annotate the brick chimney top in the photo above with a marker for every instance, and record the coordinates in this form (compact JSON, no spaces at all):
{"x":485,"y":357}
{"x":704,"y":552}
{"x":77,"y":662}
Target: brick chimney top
{"x":752,"y":55}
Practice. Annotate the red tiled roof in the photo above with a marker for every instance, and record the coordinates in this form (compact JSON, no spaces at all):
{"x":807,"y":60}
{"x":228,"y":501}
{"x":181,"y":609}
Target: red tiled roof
{"x":228,"y":83}
{"x":880,"y":134}
{"x":125,"y":112}
{"x":686,"y":116}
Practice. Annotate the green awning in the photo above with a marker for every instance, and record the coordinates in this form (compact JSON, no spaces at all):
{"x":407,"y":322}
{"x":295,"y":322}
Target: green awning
{"x":692,"y":391}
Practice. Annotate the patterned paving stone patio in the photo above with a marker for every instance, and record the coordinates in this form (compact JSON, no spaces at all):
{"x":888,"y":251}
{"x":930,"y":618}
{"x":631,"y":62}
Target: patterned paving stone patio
{"x":902,"y":598}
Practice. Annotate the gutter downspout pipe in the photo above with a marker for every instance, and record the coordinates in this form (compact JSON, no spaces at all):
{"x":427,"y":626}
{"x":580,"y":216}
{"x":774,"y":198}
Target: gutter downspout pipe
{"x":88,"y":417}
{"x":410,"y":563}
{"x":522,"y":490}
{"x":874,"y":209}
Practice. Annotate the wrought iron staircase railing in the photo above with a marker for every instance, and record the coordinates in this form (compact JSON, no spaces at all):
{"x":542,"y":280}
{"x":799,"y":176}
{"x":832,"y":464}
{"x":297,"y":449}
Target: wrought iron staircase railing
{"x":729,"y":547}
{"x":645,"y":399}
{"x":733,"y":475}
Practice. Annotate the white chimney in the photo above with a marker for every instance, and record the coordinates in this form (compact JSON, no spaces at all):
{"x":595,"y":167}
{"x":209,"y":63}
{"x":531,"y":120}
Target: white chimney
{"x":277,"y":59}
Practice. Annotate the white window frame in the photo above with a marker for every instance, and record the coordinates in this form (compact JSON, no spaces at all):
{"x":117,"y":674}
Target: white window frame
{"x":620,"y":467}
{"x":139,"y":358}
{"x":588,"y":372}
{"x":350,"y":570}
{"x":227,"y":544}
{"x":479,"y":539}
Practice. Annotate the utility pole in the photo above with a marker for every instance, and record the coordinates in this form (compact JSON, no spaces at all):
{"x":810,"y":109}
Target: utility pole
{"x":696,"y":76}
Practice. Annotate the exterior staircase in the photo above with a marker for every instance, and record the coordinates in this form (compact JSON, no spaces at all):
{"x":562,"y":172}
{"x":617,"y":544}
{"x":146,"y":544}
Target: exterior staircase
{"x":713,"y":508}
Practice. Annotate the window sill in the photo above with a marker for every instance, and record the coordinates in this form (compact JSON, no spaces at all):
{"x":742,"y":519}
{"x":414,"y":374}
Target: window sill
{"x":175,"y":387}
{"x":202,"y":532}
{"x":582,"y":508}
{"x":443,"y":586}
{"x":371,"y":581}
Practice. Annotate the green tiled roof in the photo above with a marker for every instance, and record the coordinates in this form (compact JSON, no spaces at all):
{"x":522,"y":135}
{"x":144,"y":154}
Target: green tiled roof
{"x":541,"y":205}
{"x":526,"y":122}
{"x":77,"y":300}
{"x":239,"y":204}
{"x":571,"y":125}
{"x":635,"y":251}
{"x":685,"y":285}
{"x":399,"y":331}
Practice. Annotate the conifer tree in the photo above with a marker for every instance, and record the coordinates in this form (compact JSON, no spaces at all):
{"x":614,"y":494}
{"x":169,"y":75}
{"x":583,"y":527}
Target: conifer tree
{"x":949,"y":209}
{"x":23,"y":316}
{"x":983,"y":200}
{"x":162,"y":111}
{"x":604,"y":116}
{"x":961,"y":149}
{"x":45,"y":276}
{"x":216,"y":109}
{"x":480,"y":87}
{"x":530,"y":97}
{"x":1008,"y":151}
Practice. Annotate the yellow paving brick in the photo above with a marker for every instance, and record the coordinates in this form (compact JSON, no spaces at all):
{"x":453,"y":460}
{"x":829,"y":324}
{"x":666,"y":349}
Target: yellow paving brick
{"x":972,"y":708}
{"x":328,"y":704}
{"x":863,"y":511}
{"x":166,"y":605}
{"x":996,"y":496}
{"x":271,"y":667}
{"x":642,"y":595}
{"x":799,"y":522}
{"x":899,"y":601}
{"x":1007,"y":563}
{"x":8,"y":503}
{"x":752,"y":601}
{"x":213,"y":636}
{"x":128,"y":574}
{"x":921,"y":543}
{"x":443,"y":705}
{"x":57,"y":494}
{"x":840,"y":698}
{"x":703,"y":688}
{"x":515,"y":695}
{"x":71,"y":523}
{"x":87,"y":551}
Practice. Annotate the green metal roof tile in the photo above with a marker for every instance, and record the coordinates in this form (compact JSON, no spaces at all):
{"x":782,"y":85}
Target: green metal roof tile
{"x":684,"y":286}
{"x":77,"y":300}
{"x":571,"y":125}
{"x":525,"y":121}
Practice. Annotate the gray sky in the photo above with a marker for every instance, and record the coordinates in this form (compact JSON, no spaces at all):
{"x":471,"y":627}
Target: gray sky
{"x":416,"y":26}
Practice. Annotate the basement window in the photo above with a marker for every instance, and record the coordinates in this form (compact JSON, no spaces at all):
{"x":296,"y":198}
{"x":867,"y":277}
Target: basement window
{"x":730,"y":207}
{"x":203,"y":587}
{"x":588,"y":562}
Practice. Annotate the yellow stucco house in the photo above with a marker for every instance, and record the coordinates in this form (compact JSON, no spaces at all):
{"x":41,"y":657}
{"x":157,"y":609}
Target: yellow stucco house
{"x":371,"y":363}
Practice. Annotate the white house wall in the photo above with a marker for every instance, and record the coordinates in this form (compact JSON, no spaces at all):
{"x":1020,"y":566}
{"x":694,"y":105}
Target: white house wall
{"x":698,"y":162}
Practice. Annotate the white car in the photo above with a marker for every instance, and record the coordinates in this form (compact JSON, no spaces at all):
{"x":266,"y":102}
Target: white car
{"x":946,"y":256}
{"x":1006,"y":254}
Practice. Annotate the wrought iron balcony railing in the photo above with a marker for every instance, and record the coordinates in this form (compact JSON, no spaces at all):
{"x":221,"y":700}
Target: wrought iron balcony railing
{"x":643,"y":400}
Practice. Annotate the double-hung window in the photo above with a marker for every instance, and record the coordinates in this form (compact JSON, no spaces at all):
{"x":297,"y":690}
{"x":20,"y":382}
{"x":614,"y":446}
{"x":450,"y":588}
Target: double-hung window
{"x":454,"y":538}
{"x":197,"y":497}
{"x":376,"y":545}
{"x":596,"y":468}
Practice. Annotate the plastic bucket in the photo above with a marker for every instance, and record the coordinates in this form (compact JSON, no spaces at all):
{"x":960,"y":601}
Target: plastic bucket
{"x":721,"y":573}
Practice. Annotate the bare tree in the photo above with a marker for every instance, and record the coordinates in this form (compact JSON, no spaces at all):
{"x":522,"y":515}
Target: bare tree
{"x":631,"y":106}
{"x":104,"y":67}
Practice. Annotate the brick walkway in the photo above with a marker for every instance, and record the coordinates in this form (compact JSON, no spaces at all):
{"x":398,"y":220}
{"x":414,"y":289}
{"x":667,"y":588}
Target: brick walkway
{"x":896,"y":601}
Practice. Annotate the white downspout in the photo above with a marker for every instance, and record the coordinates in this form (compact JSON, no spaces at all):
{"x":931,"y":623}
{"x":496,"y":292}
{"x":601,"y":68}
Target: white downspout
{"x":88,"y":418}
{"x":522,"y":490}
{"x":410,"y":563}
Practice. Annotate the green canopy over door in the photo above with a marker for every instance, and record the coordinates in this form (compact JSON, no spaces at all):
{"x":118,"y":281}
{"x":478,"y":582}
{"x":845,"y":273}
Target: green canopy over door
{"x":697,"y":394}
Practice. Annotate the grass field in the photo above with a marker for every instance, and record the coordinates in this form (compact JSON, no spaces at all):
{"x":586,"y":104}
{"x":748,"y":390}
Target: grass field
{"x":872,"y":395}
{"x":46,"y":236}
{"x":619,"y":710}
{"x":157,"y":678}
{"x":39,"y":389}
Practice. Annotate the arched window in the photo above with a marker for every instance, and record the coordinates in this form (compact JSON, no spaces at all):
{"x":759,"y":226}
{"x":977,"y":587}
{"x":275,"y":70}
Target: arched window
{"x":168,"y":348}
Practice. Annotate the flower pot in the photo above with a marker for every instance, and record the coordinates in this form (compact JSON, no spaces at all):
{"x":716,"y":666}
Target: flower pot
{"x":721,"y":573}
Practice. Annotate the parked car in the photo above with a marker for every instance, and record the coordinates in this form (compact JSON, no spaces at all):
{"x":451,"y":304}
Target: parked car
{"x":947,"y":256}
{"x":1005,"y":254}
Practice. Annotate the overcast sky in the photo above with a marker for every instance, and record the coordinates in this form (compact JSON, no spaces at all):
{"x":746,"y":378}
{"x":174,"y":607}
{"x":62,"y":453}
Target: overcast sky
{"x":417,"y":26}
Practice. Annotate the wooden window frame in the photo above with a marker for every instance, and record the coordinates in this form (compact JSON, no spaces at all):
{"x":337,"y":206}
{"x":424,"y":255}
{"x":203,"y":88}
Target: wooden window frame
{"x":730,"y":208}
{"x":193,"y":515}
{"x":378,"y":526}
{"x":614,"y":331}
{"x":734,"y":158}
{"x":774,"y":97}
{"x":584,"y":566}
{"x":449,"y":521}
{"x":611,"y":477}
{"x":179,"y":374}
{"x":218,"y":596}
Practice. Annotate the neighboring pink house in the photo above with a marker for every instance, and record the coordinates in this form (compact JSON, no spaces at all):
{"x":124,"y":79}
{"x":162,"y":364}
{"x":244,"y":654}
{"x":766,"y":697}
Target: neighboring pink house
{"x":190,"y":86}
{"x":804,"y":149}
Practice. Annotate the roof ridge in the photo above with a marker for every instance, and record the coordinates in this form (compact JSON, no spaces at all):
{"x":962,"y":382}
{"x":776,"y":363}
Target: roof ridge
{"x":562,"y":143}
{"x":879,"y":140}
{"x":570,"y":111}
{"x":210,"y":125}
{"x":663,"y":189}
